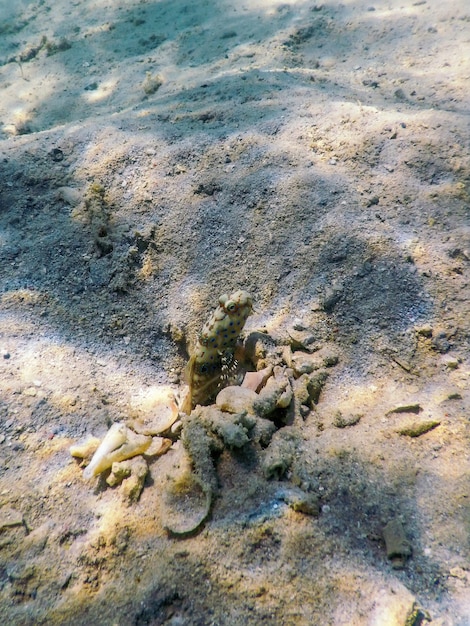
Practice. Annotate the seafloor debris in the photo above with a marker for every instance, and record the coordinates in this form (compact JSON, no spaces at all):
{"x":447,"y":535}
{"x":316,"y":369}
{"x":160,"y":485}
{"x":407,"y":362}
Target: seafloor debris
{"x":406,"y":408}
{"x":119,"y":444}
{"x":151,"y":83}
{"x":396,"y":543}
{"x":344,"y":421}
{"x":280,"y":454}
{"x":132,"y":474}
{"x":417,"y":616}
{"x":300,"y":501}
{"x":265,"y":413}
{"x":418,"y":428}
{"x":86,"y":449}
{"x":155,"y":411}
{"x":235,"y":399}
{"x":242,"y":417}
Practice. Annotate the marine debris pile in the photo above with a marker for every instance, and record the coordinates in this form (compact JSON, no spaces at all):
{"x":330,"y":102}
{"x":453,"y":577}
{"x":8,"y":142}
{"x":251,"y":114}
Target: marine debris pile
{"x":243,"y":390}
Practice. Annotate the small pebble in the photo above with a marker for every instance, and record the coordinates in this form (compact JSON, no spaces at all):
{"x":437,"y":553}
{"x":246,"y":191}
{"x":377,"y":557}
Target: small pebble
{"x":455,"y":395}
{"x":440,"y":343}
{"x":341,"y":421}
{"x":424,"y":331}
{"x":302,"y":340}
{"x":400,"y":94}
{"x":70,"y":195}
{"x":451,"y":362}
{"x":372,"y":201}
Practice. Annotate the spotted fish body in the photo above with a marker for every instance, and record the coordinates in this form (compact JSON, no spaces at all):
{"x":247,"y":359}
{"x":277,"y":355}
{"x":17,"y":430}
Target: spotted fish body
{"x":216,"y":345}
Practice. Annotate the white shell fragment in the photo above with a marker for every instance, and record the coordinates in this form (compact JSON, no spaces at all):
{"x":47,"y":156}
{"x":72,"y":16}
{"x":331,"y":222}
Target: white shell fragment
{"x":156,"y":409}
{"x":119,"y":444}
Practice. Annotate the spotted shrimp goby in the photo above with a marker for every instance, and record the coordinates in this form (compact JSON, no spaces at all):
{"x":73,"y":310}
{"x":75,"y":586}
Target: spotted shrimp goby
{"x":215,"y":345}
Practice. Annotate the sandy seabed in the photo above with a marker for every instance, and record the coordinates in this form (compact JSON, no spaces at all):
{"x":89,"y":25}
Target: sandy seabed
{"x":315,"y":154}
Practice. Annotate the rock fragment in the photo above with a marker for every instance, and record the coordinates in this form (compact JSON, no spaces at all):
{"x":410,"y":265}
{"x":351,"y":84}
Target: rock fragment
{"x":303,"y":363}
{"x":406,"y":408}
{"x":344,"y":421}
{"x":331,"y":298}
{"x":235,"y":399}
{"x":257,"y":345}
{"x":440,"y":342}
{"x":425,"y":330}
{"x":263,"y":431}
{"x":276,"y":394}
{"x":256,"y":380}
{"x":451,"y":362}
{"x":70,"y":195}
{"x":302,"y":340}
{"x":316,"y":382}
{"x":280,"y":454}
{"x":396,"y":543}
{"x":301,"y":390}
{"x":416,"y":429}
{"x":301,"y":502}
{"x":86,"y":449}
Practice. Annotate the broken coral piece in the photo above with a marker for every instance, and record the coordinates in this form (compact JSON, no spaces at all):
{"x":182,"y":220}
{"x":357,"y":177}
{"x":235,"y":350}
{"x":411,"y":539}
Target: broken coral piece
{"x":280,"y":454}
{"x":86,"y":449}
{"x":119,"y":444}
{"x":132,"y":474}
{"x":276,"y":394}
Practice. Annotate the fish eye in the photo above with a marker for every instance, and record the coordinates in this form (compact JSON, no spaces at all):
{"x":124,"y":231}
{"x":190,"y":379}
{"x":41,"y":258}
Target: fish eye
{"x":231,"y":306}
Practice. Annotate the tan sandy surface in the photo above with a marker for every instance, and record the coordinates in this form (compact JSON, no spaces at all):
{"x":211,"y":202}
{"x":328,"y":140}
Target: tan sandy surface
{"x":316,"y":154}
